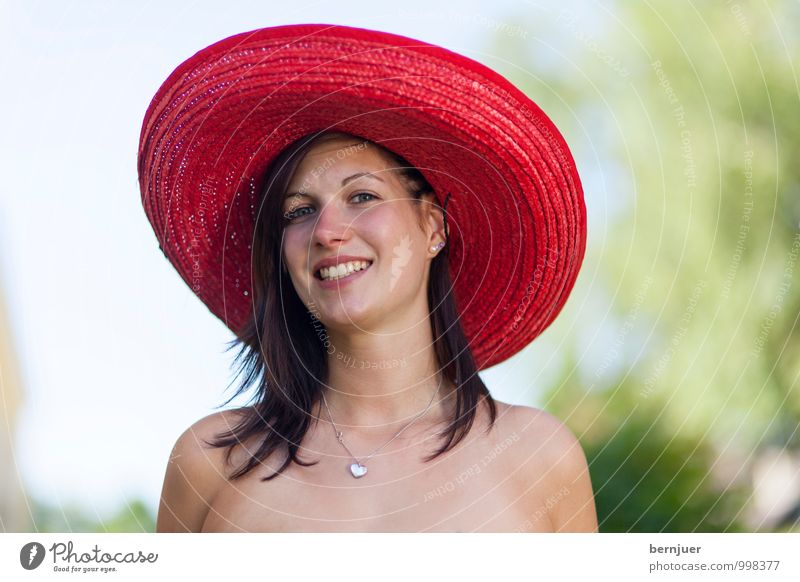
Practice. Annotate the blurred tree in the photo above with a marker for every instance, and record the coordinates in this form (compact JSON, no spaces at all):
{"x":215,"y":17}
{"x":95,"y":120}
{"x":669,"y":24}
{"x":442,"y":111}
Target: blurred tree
{"x":134,"y":517}
{"x":684,"y":122}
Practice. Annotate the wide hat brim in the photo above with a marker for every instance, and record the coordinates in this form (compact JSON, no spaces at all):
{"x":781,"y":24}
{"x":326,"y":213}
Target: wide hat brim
{"x":517,"y":216}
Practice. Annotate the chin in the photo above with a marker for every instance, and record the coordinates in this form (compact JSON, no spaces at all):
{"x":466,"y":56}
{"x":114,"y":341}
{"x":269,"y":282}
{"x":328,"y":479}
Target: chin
{"x":343,"y":312}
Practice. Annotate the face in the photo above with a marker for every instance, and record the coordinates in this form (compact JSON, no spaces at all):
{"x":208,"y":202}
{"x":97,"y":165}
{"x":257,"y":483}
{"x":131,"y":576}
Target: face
{"x":349,"y":211}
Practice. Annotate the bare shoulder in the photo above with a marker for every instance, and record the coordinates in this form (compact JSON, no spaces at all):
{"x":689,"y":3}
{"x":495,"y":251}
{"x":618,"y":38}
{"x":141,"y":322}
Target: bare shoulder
{"x":195,"y":472}
{"x":552,"y":464}
{"x":539,"y":427}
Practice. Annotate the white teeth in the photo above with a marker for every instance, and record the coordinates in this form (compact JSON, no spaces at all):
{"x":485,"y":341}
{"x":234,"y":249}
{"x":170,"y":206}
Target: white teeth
{"x":342,"y":270}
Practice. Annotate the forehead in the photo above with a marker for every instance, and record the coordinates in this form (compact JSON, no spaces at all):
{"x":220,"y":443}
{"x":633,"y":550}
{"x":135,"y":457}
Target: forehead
{"x":332,"y":160}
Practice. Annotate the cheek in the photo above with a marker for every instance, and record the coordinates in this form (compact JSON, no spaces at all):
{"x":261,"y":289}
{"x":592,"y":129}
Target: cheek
{"x":295,"y":248}
{"x":387,"y":227}
{"x":395,"y":236}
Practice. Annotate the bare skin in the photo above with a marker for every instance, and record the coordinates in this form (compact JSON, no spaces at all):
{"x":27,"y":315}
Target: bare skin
{"x":527,"y":474}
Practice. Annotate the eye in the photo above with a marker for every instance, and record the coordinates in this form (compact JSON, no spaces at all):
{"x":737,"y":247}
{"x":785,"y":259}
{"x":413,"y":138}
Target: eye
{"x":296,"y":213}
{"x":357,"y":194}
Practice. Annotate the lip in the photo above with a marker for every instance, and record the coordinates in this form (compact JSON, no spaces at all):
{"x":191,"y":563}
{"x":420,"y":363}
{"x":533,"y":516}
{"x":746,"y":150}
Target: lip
{"x":335,"y":260}
{"x":339,"y":283}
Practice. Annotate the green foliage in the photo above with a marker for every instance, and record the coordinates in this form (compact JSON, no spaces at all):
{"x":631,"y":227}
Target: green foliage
{"x":647,"y":476}
{"x":134,"y":517}
{"x":656,"y":483}
{"x":683,"y":119}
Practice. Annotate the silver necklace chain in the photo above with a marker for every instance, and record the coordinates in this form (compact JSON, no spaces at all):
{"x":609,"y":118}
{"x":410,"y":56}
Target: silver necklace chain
{"x":358,"y":469}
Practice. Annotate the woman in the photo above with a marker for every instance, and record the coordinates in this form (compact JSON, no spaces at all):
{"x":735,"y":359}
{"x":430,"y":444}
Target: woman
{"x":333,"y":267}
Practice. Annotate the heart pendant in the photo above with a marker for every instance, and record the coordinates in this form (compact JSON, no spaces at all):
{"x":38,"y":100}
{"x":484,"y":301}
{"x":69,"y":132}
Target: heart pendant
{"x":358,"y":470}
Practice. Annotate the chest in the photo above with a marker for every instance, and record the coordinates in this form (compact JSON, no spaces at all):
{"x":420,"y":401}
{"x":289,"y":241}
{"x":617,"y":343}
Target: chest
{"x":471,"y":488}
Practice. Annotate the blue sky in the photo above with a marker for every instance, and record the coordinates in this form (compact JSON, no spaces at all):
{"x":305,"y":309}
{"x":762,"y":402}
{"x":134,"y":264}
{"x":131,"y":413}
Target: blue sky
{"x":117,"y":355}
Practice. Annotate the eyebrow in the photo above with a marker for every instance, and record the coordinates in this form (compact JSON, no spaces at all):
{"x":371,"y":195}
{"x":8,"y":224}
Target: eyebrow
{"x":345,"y":182}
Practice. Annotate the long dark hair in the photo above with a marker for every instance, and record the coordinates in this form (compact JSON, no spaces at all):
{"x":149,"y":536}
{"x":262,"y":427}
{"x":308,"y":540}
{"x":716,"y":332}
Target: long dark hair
{"x":282,"y":347}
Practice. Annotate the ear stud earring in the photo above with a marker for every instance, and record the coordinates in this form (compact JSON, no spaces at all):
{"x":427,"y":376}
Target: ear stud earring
{"x":437,"y":247}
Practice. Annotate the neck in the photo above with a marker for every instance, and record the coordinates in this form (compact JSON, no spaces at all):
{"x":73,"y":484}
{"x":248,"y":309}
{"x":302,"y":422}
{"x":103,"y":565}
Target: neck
{"x":378,"y":384}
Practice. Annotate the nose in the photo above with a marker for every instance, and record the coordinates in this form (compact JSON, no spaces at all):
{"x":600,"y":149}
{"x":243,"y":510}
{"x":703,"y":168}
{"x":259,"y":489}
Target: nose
{"x":332,"y":226}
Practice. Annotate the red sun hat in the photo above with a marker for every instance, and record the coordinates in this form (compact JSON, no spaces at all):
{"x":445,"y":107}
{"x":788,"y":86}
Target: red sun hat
{"x":516,"y":213}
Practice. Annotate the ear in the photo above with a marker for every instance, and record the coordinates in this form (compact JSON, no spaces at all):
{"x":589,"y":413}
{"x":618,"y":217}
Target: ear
{"x":433,"y":220}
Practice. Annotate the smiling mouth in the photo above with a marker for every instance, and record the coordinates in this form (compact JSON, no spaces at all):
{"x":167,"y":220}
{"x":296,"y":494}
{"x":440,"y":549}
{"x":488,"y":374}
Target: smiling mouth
{"x":342,"y":270}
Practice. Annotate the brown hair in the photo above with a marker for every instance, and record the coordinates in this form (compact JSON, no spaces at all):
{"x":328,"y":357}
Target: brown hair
{"x":280,"y":351}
